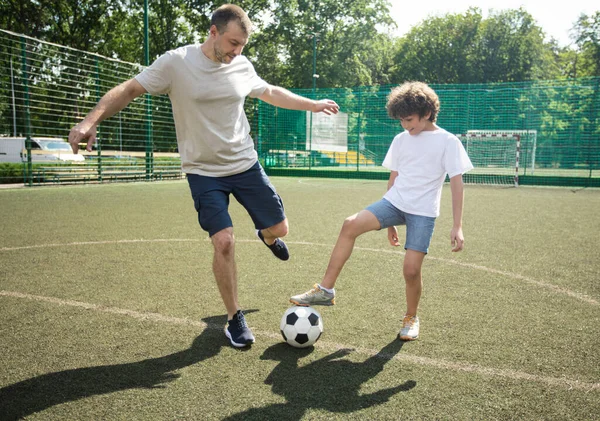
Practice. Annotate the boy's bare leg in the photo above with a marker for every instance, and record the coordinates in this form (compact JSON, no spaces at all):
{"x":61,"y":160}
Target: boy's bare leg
{"x":413,"y":262}
{"x":224,"y":269}
{"x":353,"y":226}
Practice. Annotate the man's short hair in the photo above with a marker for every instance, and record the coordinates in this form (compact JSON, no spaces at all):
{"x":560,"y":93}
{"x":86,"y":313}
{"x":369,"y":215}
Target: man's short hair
{"x":230,"y":12}
{"x":413,"y":98}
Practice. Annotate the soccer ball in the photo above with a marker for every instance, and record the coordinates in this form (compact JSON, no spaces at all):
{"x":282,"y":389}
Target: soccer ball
{"x":301,"y":326}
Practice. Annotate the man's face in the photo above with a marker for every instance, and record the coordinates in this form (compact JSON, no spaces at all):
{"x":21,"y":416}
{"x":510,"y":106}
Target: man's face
{"x":230,"y":43}
{"x":414,"y":125}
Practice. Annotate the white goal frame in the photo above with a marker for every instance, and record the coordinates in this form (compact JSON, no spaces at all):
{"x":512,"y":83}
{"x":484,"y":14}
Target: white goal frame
{"x":508,"y":136}
{"x":528,"y":145}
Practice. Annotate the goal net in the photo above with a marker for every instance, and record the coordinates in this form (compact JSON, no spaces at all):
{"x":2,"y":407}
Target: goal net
{"x":495,"y":157}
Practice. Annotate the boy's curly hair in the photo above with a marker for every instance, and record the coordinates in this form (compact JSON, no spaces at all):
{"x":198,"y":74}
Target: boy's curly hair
{"x":413,"y":98}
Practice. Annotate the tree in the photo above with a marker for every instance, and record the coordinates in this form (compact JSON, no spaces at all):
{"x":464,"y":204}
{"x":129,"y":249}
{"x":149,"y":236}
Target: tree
{"x":587,"y":39}
{"x":465,"y":48}
{"x":440,"y":49}
{"x":510,"y":48}
{"x":350,"y":51}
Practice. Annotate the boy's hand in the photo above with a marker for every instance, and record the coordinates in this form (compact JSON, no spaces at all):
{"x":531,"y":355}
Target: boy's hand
{"x":393,"y":236}
{"x":457,"y":240}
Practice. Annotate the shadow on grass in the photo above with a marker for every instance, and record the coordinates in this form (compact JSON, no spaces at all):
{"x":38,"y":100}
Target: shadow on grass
{"x":38,"y":393}
{"x":330,"y":383}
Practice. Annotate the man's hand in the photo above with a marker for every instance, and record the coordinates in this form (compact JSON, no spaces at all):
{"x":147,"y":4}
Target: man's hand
{"x":457,"y":240}
{"x":326,"y":106}
{"x":81,"y":132}
{"x":393,"y":236}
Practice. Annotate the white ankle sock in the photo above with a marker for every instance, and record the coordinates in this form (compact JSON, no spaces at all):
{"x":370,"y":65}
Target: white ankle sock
{"x":329,"y":290}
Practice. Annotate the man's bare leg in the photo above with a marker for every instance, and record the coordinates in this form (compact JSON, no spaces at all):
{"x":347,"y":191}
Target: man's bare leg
{"x":276,"y":231}
{"x":225,"y":270}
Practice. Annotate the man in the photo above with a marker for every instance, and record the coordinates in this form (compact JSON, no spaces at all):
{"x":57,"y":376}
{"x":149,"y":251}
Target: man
{"x":207,"y":85}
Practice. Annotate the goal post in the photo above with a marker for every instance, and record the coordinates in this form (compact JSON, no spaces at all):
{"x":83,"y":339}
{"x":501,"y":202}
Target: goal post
{"x":495,"y":157}
{"x":528,"y":140}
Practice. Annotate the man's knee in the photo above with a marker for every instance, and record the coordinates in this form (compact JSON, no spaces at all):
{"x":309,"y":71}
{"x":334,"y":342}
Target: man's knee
{"x":279,"y":230}
{"x":223,"y":241}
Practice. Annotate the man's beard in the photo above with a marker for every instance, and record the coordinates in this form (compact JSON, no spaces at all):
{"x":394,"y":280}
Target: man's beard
{"x":221,"y":57}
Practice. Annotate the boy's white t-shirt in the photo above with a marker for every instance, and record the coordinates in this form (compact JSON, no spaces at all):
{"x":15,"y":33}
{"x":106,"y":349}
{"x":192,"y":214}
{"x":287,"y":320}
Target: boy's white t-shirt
{"x":422,"y":162}
{"x":207,"y":98}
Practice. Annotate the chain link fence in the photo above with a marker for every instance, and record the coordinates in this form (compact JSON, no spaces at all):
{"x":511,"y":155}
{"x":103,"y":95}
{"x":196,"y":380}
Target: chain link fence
{"x":540,"y":132}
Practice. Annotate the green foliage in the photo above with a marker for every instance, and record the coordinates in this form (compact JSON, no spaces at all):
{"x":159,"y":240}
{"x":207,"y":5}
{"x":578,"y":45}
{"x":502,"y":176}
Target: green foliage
{"x":11,"y":173}
{"x":587,"y":39}
{"x":353,"y":45}
{"x":465,"y":48}
{"x":341,"y":35}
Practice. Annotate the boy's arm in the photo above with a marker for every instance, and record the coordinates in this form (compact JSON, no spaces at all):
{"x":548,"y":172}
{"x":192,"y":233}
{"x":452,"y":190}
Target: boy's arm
{"x":111,"y":103}
{"x":457,"y":239}
{"x":392,"y":231}
{"x":282,"y":98}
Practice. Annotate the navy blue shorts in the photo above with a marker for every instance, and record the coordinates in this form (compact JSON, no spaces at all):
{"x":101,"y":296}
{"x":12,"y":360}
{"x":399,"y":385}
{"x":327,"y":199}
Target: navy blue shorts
{"x":251,"y":188}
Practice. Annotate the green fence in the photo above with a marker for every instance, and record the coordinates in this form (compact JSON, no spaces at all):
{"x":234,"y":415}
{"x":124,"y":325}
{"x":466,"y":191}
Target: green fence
{"x":535,"y":133}
{"x":544,"y":132}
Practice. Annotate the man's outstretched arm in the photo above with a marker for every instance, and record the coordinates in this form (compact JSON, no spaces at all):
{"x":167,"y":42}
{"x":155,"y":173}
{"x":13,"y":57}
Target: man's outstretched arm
{"x":282,"y":98}
{"x":111,"y":103}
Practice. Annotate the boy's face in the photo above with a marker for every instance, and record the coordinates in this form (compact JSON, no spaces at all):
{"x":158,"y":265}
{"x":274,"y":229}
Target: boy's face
{"x":414,"y":125}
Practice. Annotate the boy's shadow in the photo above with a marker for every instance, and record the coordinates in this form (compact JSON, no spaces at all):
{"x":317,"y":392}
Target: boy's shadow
{"x":29,"y":396}
{"x":331,"y":383}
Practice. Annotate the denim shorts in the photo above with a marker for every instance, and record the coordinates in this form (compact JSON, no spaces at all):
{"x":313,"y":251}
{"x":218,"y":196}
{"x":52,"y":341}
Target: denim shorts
{"x":251,"y":188}
{"x":419,"y":229}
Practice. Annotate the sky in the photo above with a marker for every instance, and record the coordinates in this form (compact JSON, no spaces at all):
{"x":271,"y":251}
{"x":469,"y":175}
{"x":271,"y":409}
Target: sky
{"x":554,"y":17}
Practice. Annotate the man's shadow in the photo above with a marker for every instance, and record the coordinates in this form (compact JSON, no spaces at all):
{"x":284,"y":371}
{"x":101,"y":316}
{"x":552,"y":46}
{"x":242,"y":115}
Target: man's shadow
{"x":331,"y":383}
{"x":29,"y":396}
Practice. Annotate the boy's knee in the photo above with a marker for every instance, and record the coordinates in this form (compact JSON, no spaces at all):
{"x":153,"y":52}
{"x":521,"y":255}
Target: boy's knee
{"x":349,"y":224}
{"x":412,"y":273}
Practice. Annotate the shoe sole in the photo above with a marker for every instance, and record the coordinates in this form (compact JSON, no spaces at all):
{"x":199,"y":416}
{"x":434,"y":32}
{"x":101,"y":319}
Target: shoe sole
{"x":235,"y":343}
{"x":407,"y":338}
{"x":326,"y":303}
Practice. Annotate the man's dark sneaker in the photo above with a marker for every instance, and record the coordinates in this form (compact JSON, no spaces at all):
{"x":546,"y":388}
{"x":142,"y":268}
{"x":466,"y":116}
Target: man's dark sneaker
{"x":238,"y":332}
{"x":278,"y":248}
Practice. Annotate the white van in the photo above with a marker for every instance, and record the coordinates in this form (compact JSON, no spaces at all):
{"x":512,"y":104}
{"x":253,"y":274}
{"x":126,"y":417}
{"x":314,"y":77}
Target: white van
{"x":43,"y":149}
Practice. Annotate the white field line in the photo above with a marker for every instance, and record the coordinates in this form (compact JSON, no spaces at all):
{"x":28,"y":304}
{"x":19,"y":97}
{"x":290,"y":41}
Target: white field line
{"x":562,"y":382}
{"x":547,"y":285}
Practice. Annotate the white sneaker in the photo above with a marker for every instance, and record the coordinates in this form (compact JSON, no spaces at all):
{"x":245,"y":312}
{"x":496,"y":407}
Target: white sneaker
{"x":315,"y":296}
{"x":410,"y":328}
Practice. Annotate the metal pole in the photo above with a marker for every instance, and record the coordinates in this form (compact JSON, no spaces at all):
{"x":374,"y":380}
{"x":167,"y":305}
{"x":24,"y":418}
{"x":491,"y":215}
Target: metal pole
{"x":314,"y":88}
{"x":358,"y":130}
{"x":14,"y":108}
{"x":149,"y":153}
{"x":146,"y":44}
{"x":27,"y":111}
{"x":314,"y":77}
{"x":99,"y":131}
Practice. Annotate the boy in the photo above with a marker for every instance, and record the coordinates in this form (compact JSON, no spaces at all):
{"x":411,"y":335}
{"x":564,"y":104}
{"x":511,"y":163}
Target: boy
{"x":419,"y":160}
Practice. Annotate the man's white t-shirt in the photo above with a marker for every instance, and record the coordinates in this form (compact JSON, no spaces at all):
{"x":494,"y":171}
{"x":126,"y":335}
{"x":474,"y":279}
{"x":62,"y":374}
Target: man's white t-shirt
{"x":422,"y":162}
{"x":207,"y":98}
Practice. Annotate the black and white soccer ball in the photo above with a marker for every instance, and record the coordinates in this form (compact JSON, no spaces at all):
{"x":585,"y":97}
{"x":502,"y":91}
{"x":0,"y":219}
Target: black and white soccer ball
{"x":301,"y":326}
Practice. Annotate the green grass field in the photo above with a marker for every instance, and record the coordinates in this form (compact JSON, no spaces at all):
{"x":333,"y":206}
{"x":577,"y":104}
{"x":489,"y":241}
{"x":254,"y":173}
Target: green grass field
{"x":109,"y":310}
